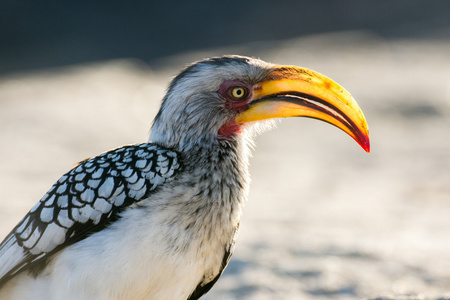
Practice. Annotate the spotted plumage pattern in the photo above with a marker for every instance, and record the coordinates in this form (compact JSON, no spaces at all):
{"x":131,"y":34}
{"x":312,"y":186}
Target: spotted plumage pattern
{"x":88,"y":197}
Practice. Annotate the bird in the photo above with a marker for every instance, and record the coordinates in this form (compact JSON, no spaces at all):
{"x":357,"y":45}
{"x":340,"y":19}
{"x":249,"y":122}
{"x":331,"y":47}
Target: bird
{"x":159,"y":220}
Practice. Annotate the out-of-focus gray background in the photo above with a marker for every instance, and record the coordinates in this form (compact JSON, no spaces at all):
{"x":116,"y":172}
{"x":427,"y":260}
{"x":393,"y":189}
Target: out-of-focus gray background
{"x":324,"y":219}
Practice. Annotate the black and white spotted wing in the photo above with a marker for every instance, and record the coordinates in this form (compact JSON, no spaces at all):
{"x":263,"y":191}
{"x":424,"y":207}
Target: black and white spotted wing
{"x":85,"y":200}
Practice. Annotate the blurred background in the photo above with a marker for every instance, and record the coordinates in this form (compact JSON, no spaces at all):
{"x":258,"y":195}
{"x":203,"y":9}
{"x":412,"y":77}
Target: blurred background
{"x":324,"y":219}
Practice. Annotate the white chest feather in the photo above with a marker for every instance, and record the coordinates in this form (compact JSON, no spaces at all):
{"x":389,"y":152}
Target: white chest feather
{"x":161,"y":249}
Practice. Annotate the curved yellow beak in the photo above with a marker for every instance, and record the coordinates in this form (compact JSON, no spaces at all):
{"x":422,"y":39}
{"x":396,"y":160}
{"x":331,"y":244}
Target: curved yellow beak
{"x":290,"y":91}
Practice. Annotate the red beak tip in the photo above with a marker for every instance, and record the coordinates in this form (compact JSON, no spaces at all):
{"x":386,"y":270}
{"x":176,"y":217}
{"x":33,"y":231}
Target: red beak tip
{"x":366,"y":146}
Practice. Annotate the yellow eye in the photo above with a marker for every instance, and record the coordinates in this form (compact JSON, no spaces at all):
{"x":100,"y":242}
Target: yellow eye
{"x":238,"y":92}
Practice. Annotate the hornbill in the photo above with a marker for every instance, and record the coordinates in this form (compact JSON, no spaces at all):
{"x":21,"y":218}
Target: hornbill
{"x":159,"y":220}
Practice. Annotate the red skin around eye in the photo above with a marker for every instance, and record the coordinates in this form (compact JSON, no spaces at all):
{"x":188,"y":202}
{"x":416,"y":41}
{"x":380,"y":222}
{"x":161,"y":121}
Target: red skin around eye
{"x":231,"y":128}
{"x":234,"y":104}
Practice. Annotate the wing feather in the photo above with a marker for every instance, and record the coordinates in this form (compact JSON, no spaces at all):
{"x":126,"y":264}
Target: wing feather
{"x":85,"y":200}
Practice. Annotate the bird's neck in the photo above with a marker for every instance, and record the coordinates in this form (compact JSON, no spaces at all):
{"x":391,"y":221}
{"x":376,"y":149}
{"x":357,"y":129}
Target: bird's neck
{"x":219,"y":167}
{"x":220,"y":156}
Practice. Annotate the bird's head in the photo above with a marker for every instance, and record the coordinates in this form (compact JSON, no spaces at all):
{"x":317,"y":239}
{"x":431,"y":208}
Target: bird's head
{"x":221,"y":98}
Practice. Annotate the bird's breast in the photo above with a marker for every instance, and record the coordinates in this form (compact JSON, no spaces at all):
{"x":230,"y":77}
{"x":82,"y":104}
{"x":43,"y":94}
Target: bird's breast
{"x":165,"y":246}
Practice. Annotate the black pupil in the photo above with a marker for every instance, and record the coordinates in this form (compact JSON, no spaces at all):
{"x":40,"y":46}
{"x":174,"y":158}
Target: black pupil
{"x":239,"y":92}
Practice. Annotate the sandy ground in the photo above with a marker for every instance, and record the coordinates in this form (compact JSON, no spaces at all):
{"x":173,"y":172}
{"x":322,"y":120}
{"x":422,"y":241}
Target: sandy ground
{"x":324,"y":220}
